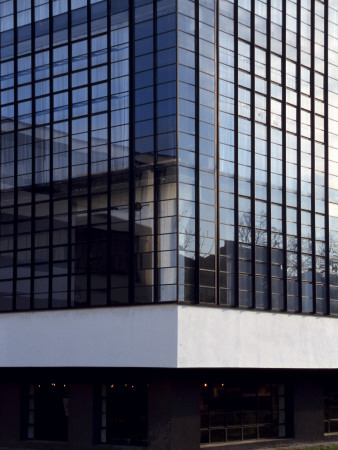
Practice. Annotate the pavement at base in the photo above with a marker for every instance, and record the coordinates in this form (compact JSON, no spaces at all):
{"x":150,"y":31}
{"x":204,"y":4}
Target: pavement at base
{"x":301,"y":446}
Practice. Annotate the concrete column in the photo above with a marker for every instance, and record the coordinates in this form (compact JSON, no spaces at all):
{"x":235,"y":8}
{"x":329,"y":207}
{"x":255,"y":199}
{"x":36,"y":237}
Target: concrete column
{"x":186,"y":421}
{"x":174,"y":414}
{"x":10,"y":409}
{"x":80,"y":425}
{"x":159,"y":416}
{"x":308,"y":410}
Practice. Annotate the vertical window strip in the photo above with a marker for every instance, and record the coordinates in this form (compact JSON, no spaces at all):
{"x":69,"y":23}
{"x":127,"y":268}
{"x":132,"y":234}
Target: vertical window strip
{"x":326,"y":144}
{"x":299,"y":162}
{"x":284,"y":193}
{"x":313,"y":160}
{"x":89,"y":173}
{"x":207,"y":252}
{"x":197,"y":155}
{"x":253,"y":158}
{"x":118,"y":289}
{"x":268,"y":143}
{"x":1,"y":177}
{"x":109,"y":155}
{"x":131,"y":153}
{"x":177,"y":159}
{"x":156,"y":283}
{"x":51,"y":135}
{"x":70,"y":299}
{"x":225,"y":256}
{"x":33,"y":197}
{"x":15,"y":218}
{"x":236,"y":252}
{"x":217,"y":233}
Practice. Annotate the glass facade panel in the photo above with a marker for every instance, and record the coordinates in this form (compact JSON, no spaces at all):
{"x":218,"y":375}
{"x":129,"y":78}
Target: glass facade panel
{"x":169,"y":151}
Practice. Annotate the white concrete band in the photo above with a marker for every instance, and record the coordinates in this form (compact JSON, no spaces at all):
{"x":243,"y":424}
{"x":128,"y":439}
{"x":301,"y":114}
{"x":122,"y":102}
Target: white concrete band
{"x":167,"y":336}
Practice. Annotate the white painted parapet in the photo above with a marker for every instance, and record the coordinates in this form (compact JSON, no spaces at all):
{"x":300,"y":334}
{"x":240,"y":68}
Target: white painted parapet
{"x":167,"y":336}
{"x":213,"y":337}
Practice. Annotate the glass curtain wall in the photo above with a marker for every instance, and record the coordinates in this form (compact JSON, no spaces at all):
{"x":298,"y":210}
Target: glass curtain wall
{"x":88,"y":153}
{"x":271,"y":69}
{"x":187,"y":98}
{"x":331,"y":145}
{"x":98,"y":98}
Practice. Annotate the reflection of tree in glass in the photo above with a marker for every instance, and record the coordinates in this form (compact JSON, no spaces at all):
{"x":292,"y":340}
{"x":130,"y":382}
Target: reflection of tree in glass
{"x":333,"y":255}
{"x":245,"y":231}
{"x":188,"y":236}
{"x":260,"y":239}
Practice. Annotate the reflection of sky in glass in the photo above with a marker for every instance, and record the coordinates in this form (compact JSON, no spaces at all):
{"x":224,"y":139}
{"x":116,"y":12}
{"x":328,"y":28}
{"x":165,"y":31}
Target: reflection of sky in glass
{"x":251,"y":145}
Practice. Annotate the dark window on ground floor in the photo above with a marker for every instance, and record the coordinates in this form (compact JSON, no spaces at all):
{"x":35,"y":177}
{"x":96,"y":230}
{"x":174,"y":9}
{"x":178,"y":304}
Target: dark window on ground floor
{"x":331,"y":408}
{"x":239,"y":412}
{"x":47,"y":412}
{"x":124,"y":413}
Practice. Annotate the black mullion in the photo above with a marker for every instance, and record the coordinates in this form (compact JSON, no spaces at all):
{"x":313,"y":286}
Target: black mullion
{"x":197,"y":154}
{"x":15,"y":218}
{"x":70,"y":126}
{"x":252,"y":183}
{"x":236,"y":241}
{"x":268,"y":169}
{"x":33,"y":161}
{"x":156,"y":181}
{"x":89,"y":184}
{"x":299,"y":162}
{"x":313,"y":161}
{"x":51,"y":203}
{"x":217,"y":235}
{"x":284,"y":195}
{"x":109,"y":174}
{"x":326,"y":138}
{"x":131,"y":153}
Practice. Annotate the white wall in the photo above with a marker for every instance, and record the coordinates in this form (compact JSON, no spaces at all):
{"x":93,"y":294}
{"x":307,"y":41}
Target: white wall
{"x":99,"y":337}
{"x":167,"y":336}
{"x":237,"y":338}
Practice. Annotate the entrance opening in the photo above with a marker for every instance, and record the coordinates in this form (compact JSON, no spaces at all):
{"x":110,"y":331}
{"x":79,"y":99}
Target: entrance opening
{"x":47,"y":414}
{"x":124,"y":413}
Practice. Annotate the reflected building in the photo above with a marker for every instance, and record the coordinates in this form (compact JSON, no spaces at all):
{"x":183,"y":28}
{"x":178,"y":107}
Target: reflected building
{"x":169,"y":221}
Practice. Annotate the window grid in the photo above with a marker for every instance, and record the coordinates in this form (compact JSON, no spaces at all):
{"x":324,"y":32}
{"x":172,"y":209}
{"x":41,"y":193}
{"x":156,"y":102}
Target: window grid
{"x":232,"y":412}
{"x":241,"y":218}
